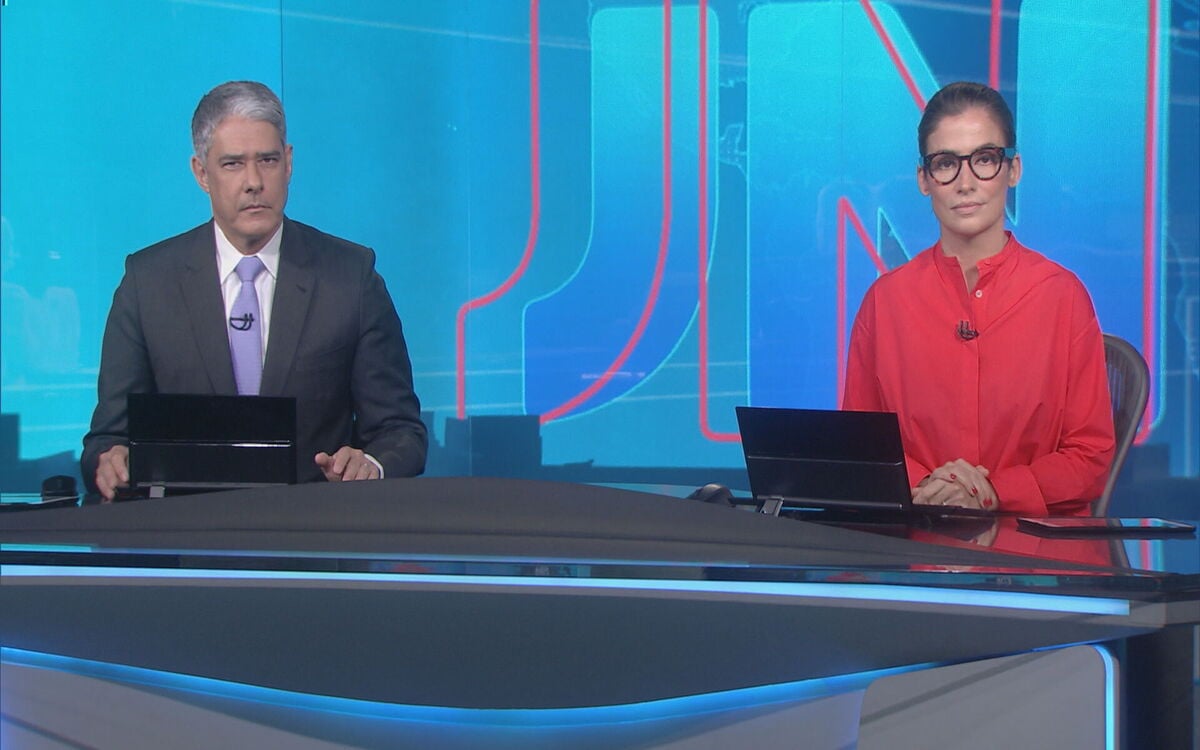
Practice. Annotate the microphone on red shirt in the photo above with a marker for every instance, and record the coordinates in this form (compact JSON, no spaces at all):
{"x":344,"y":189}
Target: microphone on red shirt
{"x":965,"y":331}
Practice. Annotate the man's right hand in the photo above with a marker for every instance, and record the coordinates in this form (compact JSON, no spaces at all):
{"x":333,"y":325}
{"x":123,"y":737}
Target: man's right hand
{"x":112,"y":471}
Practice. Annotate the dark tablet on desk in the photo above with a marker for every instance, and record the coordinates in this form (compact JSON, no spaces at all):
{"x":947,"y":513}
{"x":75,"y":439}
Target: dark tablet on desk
{"x":197,"y":443}
{"x":36,"y":502}
{"x":816,"y":458}
{"x":1090,"y":526}
{"x":848,"y":465}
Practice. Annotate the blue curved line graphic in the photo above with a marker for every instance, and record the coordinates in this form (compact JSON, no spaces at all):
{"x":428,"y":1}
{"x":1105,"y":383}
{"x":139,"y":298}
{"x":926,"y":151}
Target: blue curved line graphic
{"x":572,"y":335}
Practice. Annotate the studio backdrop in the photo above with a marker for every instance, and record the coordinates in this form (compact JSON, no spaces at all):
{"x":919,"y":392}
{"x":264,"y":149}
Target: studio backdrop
{"x":605,"y":224}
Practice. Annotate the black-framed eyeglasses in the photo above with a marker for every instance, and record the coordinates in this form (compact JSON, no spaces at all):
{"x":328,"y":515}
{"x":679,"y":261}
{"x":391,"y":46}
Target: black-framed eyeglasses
{"x":943,"y":167}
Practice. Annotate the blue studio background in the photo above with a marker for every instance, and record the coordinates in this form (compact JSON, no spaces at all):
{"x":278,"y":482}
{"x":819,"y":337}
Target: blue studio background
{"x":604,"y":223}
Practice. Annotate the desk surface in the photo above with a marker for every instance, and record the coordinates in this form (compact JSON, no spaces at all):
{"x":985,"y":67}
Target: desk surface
{"x":574,"y":530}
{"x":549,"y":594}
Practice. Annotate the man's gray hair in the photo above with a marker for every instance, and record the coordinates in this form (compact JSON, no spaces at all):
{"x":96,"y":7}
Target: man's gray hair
{"x":248,"y":99}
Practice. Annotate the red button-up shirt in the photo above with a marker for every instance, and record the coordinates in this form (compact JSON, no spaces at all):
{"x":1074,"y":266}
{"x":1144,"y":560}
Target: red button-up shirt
{"x":1027,"y":398}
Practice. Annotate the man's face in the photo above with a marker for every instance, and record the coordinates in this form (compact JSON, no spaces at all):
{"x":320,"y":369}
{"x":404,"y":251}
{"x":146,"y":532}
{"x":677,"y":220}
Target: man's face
{"x":246,"y":175}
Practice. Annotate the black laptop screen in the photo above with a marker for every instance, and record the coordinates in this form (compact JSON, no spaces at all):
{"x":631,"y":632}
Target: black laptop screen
{"x":192,"y":442}
{"x":825,"y":458}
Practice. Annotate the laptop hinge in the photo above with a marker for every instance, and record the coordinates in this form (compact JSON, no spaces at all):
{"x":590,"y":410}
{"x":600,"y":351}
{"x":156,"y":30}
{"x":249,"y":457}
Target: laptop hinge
{"x":771,"y":505}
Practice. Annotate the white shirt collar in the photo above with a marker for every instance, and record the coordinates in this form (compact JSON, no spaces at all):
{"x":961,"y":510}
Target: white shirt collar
{"x":228,"y":255}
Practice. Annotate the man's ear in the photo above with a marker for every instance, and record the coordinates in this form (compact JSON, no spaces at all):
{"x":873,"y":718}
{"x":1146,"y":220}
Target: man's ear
{"x":200,"y":173}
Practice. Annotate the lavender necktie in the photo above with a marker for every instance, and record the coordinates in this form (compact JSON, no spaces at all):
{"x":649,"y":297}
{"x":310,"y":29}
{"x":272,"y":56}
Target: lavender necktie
{"x":245,"y":332}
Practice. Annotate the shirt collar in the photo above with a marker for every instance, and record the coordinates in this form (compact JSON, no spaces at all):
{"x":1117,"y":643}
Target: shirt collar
{"x":950,"y":263}
{"x":1007,"y":253}
{"x":228,"y":255}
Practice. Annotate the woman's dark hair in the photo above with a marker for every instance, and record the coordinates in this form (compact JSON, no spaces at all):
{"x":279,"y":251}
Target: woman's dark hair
{"x":956,"y":98}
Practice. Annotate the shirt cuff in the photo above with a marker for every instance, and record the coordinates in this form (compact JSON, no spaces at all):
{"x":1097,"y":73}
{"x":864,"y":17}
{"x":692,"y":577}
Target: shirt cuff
{"x":378,"y":465}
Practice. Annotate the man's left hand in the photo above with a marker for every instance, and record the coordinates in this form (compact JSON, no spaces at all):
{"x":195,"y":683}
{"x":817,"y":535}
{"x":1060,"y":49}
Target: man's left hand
{"x":346,"y":464}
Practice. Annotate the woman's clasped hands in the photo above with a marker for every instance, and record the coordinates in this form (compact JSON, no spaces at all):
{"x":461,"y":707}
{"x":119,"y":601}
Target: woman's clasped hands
{"x":957,"y":483}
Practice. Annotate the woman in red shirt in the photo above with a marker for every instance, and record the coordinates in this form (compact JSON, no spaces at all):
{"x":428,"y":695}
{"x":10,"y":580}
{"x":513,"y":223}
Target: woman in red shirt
{"x":990,"y":353}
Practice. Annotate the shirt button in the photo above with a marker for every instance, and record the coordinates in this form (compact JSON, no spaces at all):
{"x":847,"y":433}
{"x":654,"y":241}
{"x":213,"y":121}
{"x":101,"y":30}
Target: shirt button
{"x":978,"y":293}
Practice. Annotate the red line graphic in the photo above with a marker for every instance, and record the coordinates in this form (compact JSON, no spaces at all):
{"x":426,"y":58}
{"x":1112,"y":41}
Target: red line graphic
{"x":535,"y":213}
{"x":663,"y":241}
{"x":901,"y":68}
{"x":846,"y":212}
{"x":705,"y":428}
{"x":994,"y":46}
{"x":1149,"y":249}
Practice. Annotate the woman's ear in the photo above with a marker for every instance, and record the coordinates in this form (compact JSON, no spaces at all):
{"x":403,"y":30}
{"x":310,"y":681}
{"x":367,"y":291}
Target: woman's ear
{"x":922,"y":180}
{"x":1014,"y":171}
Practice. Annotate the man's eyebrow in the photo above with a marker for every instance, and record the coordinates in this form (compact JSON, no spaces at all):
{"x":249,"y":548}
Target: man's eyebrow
{"x":257,"y":155}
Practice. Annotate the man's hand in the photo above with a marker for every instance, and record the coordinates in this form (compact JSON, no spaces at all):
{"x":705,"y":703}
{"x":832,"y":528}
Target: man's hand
{"x":112,"y":471}
{"x":346,"y":465}
{"x":957,"y":483}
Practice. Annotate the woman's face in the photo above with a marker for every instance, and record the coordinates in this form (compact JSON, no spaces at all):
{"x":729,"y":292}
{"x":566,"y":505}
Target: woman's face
{"x":969,"y":207}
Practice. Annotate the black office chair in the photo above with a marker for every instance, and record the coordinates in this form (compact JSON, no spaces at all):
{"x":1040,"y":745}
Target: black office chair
{"x":1129,"y":388}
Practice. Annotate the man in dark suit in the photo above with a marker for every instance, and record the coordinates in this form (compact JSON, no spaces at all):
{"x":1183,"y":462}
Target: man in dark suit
{"x":320,"y":326}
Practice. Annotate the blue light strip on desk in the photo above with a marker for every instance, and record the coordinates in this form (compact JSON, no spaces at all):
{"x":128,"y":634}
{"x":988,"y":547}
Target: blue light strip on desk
{"x":685,"y":706}
{"x":850,"y":591}
{"x":670,"y":708}
{"x":1110,"y":697}
{"x":46,"y":548}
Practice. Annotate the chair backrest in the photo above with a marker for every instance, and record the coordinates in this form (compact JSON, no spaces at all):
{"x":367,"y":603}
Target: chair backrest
{"x":1128,"y":387}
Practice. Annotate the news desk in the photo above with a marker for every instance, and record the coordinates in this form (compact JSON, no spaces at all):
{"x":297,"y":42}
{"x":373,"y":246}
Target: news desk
{"x":470,"y":612}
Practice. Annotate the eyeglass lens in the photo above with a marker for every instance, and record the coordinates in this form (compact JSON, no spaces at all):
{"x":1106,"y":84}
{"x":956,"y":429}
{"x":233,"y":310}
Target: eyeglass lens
{"x":985,"y":164}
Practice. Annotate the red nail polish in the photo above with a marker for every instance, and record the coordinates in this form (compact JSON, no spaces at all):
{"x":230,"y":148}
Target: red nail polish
{"x":953,"y":477}
{"x":974,"y":492}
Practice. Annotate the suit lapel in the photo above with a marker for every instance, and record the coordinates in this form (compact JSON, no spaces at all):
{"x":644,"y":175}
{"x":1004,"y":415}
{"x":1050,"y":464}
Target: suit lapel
{"x":293,"y":293}
{"x":201,"y":291}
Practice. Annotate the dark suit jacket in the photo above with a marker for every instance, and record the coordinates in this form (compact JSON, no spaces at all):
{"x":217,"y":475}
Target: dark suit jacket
{"x":335,"y":344}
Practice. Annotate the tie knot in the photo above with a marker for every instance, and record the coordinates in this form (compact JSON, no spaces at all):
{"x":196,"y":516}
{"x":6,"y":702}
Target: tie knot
{"x":249,"y":268}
